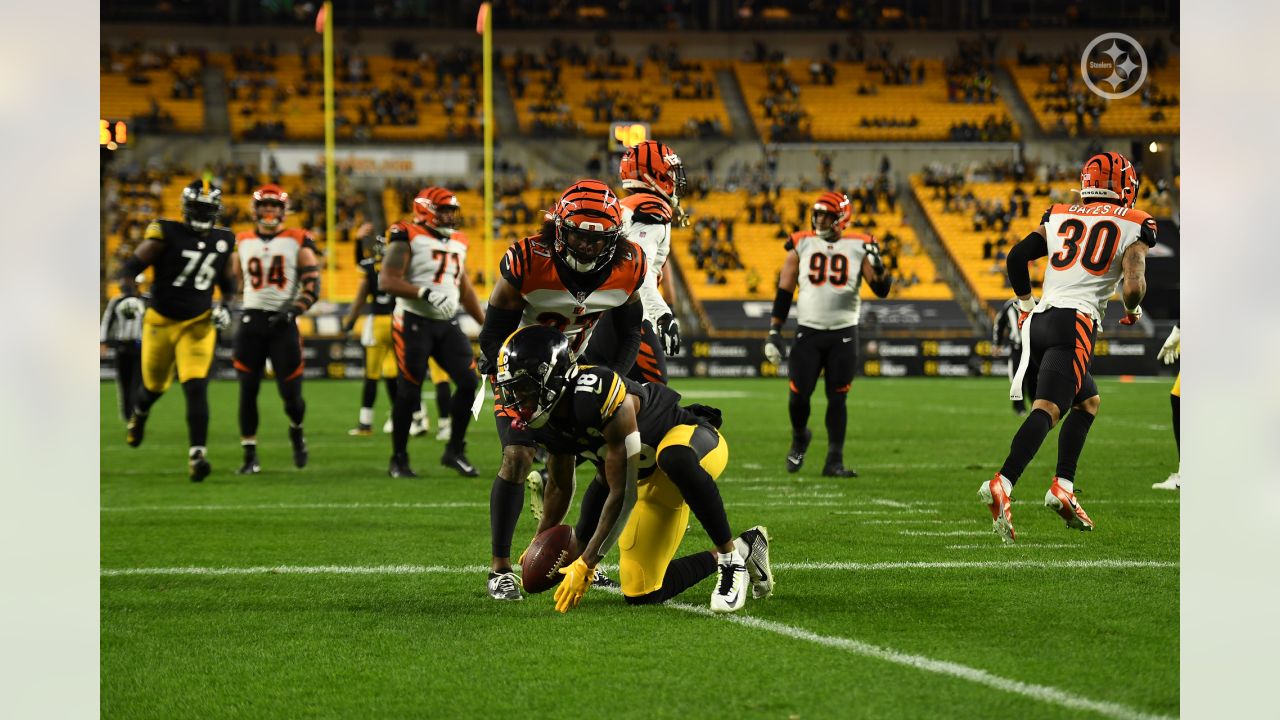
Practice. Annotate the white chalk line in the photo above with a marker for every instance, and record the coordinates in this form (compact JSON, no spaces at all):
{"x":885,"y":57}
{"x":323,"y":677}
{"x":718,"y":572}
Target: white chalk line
{"x":1041,"y":693}
{"x":1025,"y":545}
{"x":294,"y":506}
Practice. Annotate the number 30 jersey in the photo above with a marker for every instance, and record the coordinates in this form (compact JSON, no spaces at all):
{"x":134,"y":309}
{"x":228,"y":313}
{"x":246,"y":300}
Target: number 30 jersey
{"x":1086,"y":244}
{"x":830,"y":278}
{"x":269,"y":266}
{"x":187,"y":268}
{"x":436,"y":263}
{"x":570,"y":301}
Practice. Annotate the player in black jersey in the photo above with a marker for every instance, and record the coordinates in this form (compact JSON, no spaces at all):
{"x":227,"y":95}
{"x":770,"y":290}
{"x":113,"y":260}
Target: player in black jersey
{"x":659,"y":460}
{"x":188,"y":258}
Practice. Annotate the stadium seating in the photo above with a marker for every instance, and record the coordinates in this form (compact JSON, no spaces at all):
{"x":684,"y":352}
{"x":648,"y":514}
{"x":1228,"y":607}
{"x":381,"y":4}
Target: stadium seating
{"x":568,"y":94}
{"x":135,"y":89}
{"x":1134,"y":115}
{"x":759,"y":247}
{"x":376,"y":98}
{"x":834,"y":112}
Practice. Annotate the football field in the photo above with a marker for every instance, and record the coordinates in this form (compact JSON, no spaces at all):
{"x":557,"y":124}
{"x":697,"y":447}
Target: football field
{"x":339,"y":592}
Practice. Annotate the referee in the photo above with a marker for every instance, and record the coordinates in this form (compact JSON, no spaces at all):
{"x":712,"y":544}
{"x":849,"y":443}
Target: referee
{"x":121,"y":330}
{"x":1005,"y":334}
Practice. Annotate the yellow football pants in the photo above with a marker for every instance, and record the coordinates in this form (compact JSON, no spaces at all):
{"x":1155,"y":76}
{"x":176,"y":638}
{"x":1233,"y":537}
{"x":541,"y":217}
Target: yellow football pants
{"x":380,"y":353}
{"x":1177,"y":386}
{"x":187,"y":344}
{"x":658,"y":521}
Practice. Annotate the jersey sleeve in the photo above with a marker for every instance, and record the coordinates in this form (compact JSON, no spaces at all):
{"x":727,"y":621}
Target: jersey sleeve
{"x":460,"y":237}
{"x":793,"y":242}
{"x":307,"y":241}
{"x":652,"y":211}
{"x":154,"y":231}
{"x":512,"y":266}
{"x":1148,"y":232}
{"x":598,"y":392}
{"x":1047,"y":212}
{"x":398,"y":233}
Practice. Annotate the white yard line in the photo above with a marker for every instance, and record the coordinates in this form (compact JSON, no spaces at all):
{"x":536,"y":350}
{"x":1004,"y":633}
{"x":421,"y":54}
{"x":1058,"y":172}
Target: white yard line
{"x":1041,"y":693}
{"x":297,"y":506}
{"x":944,"y":533}
{"x":982,"y":564}
{"x":1031,"y":546}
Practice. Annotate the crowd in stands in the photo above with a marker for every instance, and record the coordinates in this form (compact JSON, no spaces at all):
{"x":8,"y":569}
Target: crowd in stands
{"x":991,"y":130}
{"x":969,"y":71}
{"x":713,"y":248}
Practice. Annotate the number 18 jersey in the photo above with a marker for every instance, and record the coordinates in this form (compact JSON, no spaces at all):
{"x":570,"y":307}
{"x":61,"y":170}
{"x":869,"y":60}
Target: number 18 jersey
{"x":830,"y":277}
{"x":1086,"y":244}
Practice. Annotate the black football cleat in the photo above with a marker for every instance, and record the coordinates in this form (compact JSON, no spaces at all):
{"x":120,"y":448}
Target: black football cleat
{"x":399,"y":467}
{"x":457,"y":460}
{"x":136,"y":429}
{"x":251,"y":465}
{"x":838,"y":470}
{"x":198,"y":467}
{"x":299,"y":447}
{"x":795,"y":456}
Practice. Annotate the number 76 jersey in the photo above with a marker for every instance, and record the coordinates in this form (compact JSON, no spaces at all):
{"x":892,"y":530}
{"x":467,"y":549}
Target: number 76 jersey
{"x":1086,"y":244}
{"x":830,"y":277}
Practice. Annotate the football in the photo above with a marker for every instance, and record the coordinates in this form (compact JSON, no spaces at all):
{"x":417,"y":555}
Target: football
{"x":551,"y":550}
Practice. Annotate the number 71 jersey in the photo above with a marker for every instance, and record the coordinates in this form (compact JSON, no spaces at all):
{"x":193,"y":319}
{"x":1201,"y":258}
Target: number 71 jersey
{"x":830,"y":277}
{"x":270,"y":267}
{"x":1086,"y":244}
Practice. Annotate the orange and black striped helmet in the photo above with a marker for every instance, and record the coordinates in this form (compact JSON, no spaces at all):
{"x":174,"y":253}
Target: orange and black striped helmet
{"x":652,"y":165}
{"x":430,"y":206}
{"x":588,"y":221}
{"x":837,"y":205}
{"x":270,"y":194}
{"x":1109,"y":176}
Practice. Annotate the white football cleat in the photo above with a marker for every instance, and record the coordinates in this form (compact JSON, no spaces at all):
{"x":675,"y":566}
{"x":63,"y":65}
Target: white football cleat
{"x":731,"y":583}
{"x":387,"y":427}
{"x":421,"y":424}
{"x":446,"y":430}
{"x":536,"y":484}
{"x":753,"y":545}
{"x":504,"y":586}
{"x":1173,"y":482}
{"x":1063,"y":501}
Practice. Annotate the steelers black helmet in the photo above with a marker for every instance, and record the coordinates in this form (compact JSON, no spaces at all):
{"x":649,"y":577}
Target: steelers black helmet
{"x":534,"y":369}
{"x":201,"y":204}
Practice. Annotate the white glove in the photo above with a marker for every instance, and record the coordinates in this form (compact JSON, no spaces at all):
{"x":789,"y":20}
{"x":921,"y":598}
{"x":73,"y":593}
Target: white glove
{"x":1172,"y":348}
{"x":221,"y":317}
{"x":447,"y":306}
{"x":669,"y":332}
{"x":130,"y":308}
{"x":773,"y":347}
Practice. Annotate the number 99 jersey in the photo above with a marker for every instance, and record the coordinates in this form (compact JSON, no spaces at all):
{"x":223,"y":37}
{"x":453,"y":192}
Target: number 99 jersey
{"x":270,"y":267}
{"x":830,"y":278}
{"x":187,"y":268}
{"x":1085,"y":245}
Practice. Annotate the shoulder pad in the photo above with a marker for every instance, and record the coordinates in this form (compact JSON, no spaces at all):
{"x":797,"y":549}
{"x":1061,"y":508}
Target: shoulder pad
{"x":1049,"y":211}
{"x":460,"y":237}
{"x":1148,"y":232}
{"x":651,"y":211}
{"x":245,"y":235}
{"x":598,"y":392}
{"x":793,"y":242}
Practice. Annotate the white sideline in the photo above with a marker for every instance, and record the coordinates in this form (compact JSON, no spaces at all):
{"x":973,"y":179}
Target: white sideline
{"x":465,"y":569}
{"x":297,"y":506}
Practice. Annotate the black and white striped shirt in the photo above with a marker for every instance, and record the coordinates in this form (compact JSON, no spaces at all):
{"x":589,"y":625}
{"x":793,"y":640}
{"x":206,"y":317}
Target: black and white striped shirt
{"x":116,"y":329}
{"x":1005,"y":331}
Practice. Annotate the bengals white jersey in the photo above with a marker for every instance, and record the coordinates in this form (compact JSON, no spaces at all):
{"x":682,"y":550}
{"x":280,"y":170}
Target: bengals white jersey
{"x":830,"y":278}
{"x":646,"y":221}
{"x":1086,"y":244}
{"x":269,"y":266}
{"x":435,"y":263}
{"x":568,"y":301}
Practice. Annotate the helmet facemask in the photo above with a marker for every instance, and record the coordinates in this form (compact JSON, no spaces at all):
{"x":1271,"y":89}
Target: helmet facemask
{"x":269,"y":221}
{"x":201,"y":206}
{"x":532,"y":394}
{"x":825,"y":230}
{"x":585,"y":249}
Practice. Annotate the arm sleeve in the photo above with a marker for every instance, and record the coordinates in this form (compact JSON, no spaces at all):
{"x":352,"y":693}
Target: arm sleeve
{"x":627,"y":323}
{"x":1030,"y":248}
{"x":781,"y":306}
{"x":397,"y":233}
{"x":654,"y":304}
{"x":511,"y":267}
{"x":1148,"y":232}
{"x":498,"y":324}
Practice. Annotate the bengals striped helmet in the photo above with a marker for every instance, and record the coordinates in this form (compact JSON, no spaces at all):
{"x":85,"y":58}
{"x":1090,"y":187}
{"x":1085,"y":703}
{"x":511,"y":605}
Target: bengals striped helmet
{"x":270,"y":195}
{"x":652,"y":165}
{"x":1109,"y":176}
{"x":437,"y":208}
{"x":837,"y":206}
{"x":588,"y":222}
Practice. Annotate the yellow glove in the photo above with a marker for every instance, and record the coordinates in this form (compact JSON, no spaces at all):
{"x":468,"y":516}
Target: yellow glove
{"x":577,"y":578}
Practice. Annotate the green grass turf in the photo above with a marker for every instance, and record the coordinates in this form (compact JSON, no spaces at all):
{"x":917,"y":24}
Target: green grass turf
{"x":433,"y":644}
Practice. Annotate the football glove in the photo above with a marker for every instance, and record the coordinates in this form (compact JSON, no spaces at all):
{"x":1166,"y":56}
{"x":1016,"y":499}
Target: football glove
{"x":577,"y":579}
{"x":873,"y":256}
{"x":1131,"y":316}
{"x":1024,"y":309}
{"x":1172,"y":347}
{"x":278,"y":320}
{"x":773,"y":347}
{"x":130,"y":308}
{"x":447,"y":306}
{"x":669,"y":331}
{"x":221,"y":317}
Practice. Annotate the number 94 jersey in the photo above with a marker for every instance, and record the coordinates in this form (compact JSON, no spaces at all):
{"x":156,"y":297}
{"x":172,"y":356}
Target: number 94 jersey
{"x":1086,"y":243}
{"x":187,"y":268}
{"x":270,"y":266}
{"x":830,"y":278}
